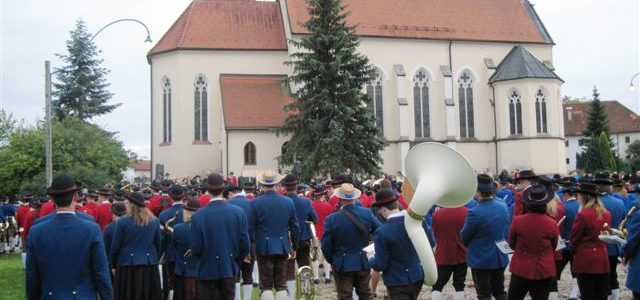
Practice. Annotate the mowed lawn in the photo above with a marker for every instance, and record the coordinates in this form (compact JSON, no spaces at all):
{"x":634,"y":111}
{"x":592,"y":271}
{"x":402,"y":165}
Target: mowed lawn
{"x":11,"y":277}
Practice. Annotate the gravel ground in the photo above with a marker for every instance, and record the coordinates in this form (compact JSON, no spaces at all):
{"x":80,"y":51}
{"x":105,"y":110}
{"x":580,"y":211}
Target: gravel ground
{"x":327,"y":291}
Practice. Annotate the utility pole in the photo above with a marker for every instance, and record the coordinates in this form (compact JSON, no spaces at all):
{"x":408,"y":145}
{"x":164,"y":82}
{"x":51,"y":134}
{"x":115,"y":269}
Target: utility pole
{"x":47,"y":122}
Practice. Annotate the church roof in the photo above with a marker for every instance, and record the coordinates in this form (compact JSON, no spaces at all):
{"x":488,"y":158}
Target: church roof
{"x":226,"y":24}
{"x":520,"y":63}
{"x":254,"y":101}
{"x":471,"y":20}
{"x":621,"y":119}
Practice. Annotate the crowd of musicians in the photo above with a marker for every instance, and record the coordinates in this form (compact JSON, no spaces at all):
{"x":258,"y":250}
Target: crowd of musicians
{"x":213,"y":239}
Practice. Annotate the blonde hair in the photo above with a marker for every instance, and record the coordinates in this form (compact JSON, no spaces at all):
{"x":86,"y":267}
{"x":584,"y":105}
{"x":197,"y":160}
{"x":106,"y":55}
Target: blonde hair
{"x":141,"y":215}
{"x":592,"y":201}
{"x":552,"y":207}
{"x":186,"y":215}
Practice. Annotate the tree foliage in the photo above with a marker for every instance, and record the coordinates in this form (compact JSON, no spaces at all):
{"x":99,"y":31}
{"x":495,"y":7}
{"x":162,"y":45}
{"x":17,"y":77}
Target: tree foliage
{"x":597,"y":117}
{"x":633,"y":154}
{"x":7,"y":126}
{"x":598,"y":154}
{"x":81,"y":88}
{"x":330,"y":126}
{"x":83,"y":150}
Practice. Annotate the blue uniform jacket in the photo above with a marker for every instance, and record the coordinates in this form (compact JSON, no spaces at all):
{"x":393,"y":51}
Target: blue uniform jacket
{"x":571,"y":209}
{"x":167,"y":239}
{"x":245,"y":204}
{"x":395,"y":256}
{"x":304,"y":213}
{"x":66,"y":260}
{"x":134,"y":245}
{"x":632,"y":199}
{"x":507,"y":196}
{"x":485,"y":225}
{"x":7,"y":211}
{"x":342,"y":242}
{"x":184,"y":266}
{"x":107,"y":236}
{"x":632,"y":252}
{"x":616,"y":207}
{"x":50,"y":216}
{"x":274,"y":218}
{"x":219,"y":240}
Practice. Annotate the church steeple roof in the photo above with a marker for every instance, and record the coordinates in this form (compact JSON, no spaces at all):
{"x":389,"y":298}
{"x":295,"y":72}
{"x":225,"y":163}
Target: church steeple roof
{"x":520,"y":63}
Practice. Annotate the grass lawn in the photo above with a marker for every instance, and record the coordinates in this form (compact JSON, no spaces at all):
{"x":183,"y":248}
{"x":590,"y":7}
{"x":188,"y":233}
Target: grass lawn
{"x":11,"y":277}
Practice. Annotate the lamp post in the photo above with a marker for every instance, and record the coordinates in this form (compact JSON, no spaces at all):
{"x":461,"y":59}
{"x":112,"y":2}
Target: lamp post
{"x":631,"y":86}
{"x":47,"y":103}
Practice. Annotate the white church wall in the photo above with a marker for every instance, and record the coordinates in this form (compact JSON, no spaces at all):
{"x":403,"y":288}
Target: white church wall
{"x":183,"y":157}
{"x":545,"y":156}
{"x":268,"y":148}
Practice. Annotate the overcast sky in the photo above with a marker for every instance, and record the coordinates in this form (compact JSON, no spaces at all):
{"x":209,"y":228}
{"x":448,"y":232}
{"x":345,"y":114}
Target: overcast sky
{"x":597,"y":44}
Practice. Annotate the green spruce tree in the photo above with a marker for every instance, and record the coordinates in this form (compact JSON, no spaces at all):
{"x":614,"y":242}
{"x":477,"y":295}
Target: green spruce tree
{"x":81,"y":88}
{"x":330,"y":126}
{"x":597,"y":117}
{"x":598,"y":154}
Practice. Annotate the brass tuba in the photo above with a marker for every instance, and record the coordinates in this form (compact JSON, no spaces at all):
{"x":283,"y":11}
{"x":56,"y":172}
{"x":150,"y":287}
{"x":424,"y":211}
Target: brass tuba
{"x":314,"y":254}
{"x":305,"y":286}
{"x":436,"y":174}
{"x":608,"y":233}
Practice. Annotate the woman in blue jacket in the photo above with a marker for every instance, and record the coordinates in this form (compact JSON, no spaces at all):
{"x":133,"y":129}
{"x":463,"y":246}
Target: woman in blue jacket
{"x":135,"y":251}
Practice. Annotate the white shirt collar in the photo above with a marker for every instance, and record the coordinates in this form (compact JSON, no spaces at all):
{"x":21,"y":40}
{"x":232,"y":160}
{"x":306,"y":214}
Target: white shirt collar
{"x":177,"y":203}
{"x":395,"y":215}
{"x":66,"y":212}
{"x":571,"y":199}
{"x":216,"y":199}
{"x":105,"y":202}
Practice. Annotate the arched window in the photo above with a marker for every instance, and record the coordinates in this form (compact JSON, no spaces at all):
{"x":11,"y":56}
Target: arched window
{"x":200,"y":108}
{"x":465,"y":105}
{"x":515,"y":113}
{"x":250,"y":154}
{"x":374,"y":91}
{"x":166,"y":111}
{"x":421,"y":104}
{"x":541,"y":112}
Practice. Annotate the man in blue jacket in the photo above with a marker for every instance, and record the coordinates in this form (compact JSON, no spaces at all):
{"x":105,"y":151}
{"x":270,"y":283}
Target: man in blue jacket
{"x":486,"y":226}
{"x":394,"y":253}
{"x":276,"y":235}
{"x":632,"y":253}
{"x":237,"y":198}
{"x":174,"y":214}
{"x":52,"y":272}
{"x":346,"y":233}
{"x":304,"y":214}
{"x":220,"y":241}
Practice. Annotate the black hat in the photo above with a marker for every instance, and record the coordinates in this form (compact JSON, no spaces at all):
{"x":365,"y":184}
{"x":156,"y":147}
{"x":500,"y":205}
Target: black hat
{"x":545,"y":180}
{"x":557,"y":178}
{"x":249,"y":186}
{"x":603,"y":179}
{"x":340,"y":179}
{"x":192,"y":205}
{"x":92,"y":193}
{"x":588,"y":188}
{"x":618,"y":182}
{"x":177,"y":192}
{"x":328,"y":183}
{"x":119,"y":195}
{"x":104,"y":192}
{"x":232,"y":188}
{"x":538,"y":195}
{"x":318,"y":190}
{"x":119,"y":209}
{"x":63,"y":185}
{"x":215,"y":181}
{"x":135,"y":198}
{"x":505,"y":178}
{"x":526,"y":174}
{"x":35,"y":203}
{"x":570,"y":188}
{"x":166,"y":183}
{"x":155,"y":186}
{"x":615,"y":176}
{"x":485,"y":183}
{"x":384,"y":197}
{"x":27,"y":198}
{"x":290,"y":180}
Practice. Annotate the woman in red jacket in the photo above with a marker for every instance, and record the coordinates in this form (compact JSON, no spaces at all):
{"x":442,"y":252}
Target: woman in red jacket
{"x":555,"y":210}
{"x":590,"y":258}
{"x":533,"y":267}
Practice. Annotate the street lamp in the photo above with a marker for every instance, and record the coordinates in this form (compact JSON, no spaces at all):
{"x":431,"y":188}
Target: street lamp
{"x":47,"y":95}
{"x":631,"y":86}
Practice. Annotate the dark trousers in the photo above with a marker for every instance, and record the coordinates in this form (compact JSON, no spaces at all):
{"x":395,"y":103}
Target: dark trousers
{"x":489,"y":283}
{"x":405,"y":292}
{"x":459,"y":273}
{"x":636,"y":296}
{"x":593,"y":286}
{"x":613,"y":273}
{"x":303,"y":252}
{"x":273,"y":272}
{"x":567,"y":257}
{"x":538,"y":289}
{"x":246,"y":272}
{"x":346,"y":281}
{"x":168,"y":278}
{"x":222,"y":289}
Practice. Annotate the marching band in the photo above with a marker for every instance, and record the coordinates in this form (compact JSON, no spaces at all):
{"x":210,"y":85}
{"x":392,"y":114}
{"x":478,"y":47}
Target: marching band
{"x":203,"y":240}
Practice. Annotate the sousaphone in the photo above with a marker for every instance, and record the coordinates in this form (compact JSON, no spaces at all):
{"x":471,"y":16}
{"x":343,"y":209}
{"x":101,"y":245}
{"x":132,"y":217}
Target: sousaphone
{"x":435,"y":174}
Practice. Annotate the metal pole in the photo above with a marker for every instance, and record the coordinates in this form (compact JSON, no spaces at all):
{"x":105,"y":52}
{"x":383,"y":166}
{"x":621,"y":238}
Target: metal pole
{"x":47,"y":122}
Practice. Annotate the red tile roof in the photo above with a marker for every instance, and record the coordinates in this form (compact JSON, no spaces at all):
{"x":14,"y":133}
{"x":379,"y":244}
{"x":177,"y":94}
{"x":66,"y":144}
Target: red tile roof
{"x":621,"y":119}
{"x":496,"y":20}
{"x":140,"y":165}
{"x":254,"y":102}
{"x":226,"y":24}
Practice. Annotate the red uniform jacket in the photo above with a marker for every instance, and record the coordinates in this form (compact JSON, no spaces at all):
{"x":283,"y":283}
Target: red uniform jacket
{"x":365,"y":200}
{"x":21,"y":214}
{"x":47,"y":208}
{"x":30,"y":218}
{"x":558,"y":217}
{"x":92,"y":207}
{"x":519,"y":206}
{"x":323,"y":210}
{"x":204,"y":200}
{"x":446,"y":226}
{"x":590,"y":253}
{"x":251,"y":197}
{"x":533,"y":238}
{"x":402,"y":202}
{"x":104,"y":215}
{"x":85,"y":210}
{"x":232,"y":180}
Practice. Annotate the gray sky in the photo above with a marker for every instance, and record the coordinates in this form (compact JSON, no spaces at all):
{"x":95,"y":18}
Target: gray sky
{"x":597,"y":44}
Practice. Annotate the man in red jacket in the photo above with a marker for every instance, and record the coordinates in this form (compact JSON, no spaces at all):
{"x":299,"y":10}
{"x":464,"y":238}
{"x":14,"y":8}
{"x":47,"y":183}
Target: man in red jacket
{"x":103,"y":211}
{"x":92,"y":203}
{"x":525,"y":179}
{"x":47,"y":208}
{"x":323,"y":210}
{"x":451,"y":254}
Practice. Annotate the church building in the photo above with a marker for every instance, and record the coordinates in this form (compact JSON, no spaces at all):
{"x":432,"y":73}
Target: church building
{"x":476,"y":75}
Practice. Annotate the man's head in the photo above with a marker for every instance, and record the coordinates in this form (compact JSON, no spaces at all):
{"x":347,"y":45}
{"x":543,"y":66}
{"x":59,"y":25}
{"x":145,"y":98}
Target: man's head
{"x":64,"y":191}
{"x":166,"y":185}
{"x":526,"y":178}
{"x":486,"y":188}
{"x":386,"y":202}
{"x":177,"y":193}
{"x":269,"y":180}
{"x":570,"y":190}
{"x":232,"y":190}
{"x":215,"y":185}
{"x":347,"y":193}
{"x":290,"y":183}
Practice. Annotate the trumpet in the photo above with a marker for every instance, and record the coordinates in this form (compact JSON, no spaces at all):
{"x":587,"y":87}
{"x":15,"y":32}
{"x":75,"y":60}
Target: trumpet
{"x":305,"y":286}
{"x":127,"y":188}
{"x":617,"y":235}
{"x":315,"y":252}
